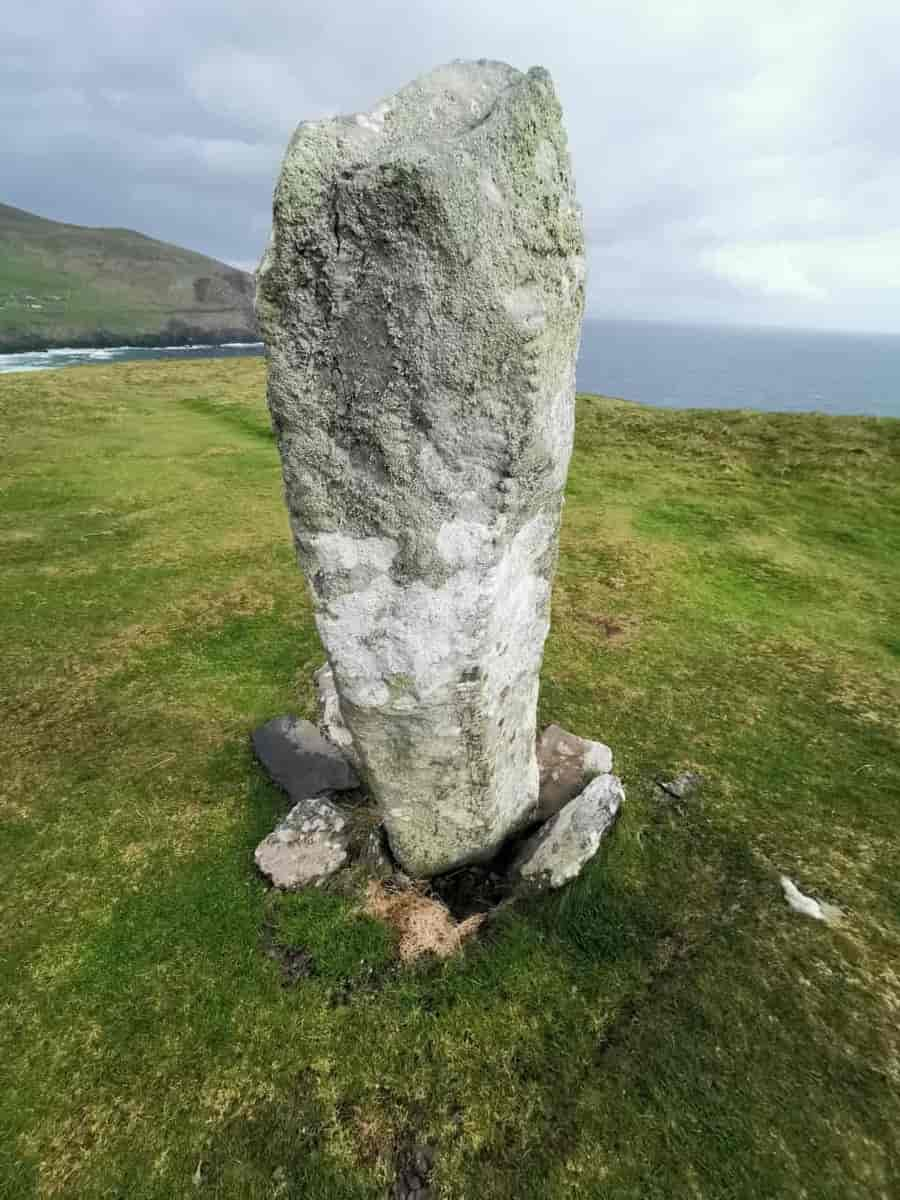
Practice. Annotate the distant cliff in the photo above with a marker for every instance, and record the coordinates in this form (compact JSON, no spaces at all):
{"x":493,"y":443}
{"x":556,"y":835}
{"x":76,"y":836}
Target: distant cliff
{"x":68,"y":285}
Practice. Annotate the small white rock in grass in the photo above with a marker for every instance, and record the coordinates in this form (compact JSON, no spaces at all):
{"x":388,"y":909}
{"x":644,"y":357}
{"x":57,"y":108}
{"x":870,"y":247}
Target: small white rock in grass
{"x":806,"y":905}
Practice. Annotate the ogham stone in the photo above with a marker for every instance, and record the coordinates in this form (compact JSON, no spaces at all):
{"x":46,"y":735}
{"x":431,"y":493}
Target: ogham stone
{"x":421,"y":301}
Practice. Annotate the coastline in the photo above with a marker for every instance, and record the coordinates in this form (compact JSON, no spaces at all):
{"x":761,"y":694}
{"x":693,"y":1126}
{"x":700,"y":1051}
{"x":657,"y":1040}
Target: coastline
{"x":104,"y":339}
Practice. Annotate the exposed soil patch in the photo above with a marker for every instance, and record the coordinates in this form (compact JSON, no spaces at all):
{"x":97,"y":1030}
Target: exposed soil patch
{"x":414,"y":1166}
{"x":295,"y":962}
{"x":616,"y":629}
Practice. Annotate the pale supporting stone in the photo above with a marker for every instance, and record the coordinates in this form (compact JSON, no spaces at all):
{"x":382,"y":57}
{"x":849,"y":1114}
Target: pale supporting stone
{"x":562,"y":846}
{"x":421,"y":302}
{"x":307,"y":847}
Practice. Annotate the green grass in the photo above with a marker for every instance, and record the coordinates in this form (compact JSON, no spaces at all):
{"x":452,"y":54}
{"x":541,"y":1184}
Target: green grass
{"x":728,"y":600}
{"x":63,"y":284}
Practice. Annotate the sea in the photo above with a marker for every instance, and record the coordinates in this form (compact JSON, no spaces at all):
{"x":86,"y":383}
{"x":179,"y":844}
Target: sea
{"x":673,"y":366}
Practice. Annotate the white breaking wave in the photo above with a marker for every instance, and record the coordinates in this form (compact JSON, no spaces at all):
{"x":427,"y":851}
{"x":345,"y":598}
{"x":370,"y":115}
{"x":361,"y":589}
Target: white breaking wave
{"x":6,"y":365}
{"x":73,"y":356}
{"x":72,"y":351}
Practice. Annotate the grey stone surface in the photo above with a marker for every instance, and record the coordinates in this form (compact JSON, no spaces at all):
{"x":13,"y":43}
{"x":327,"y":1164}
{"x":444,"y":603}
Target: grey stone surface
{"x":300,"y":759}
{"x":567,"y":764}
{"x":331,"y":720}
{"x":562,"y":846}
{"x":307,"y":847}
{"x":682,"y":786}
{"x":421,"y":302}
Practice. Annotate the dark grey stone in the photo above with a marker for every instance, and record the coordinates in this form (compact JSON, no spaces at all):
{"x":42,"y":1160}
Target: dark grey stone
{"x":300,"y":760}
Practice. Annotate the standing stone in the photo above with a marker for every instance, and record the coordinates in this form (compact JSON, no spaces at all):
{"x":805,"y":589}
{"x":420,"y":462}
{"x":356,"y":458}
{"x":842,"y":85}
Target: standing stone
{"x":421,"y":302}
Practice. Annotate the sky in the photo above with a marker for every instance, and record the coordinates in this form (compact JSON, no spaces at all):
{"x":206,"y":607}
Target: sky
{"x":736,"y":162}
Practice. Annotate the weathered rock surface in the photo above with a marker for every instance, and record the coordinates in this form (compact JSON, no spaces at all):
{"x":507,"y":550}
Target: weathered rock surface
{"x":307,"y":847}
{"x":559,"y":849}
{"x":567,"y":764}
{"x":331,"y":720}
{"x":681,"y":787}
{"x":421,"y":302}
{"x":300,"y":759}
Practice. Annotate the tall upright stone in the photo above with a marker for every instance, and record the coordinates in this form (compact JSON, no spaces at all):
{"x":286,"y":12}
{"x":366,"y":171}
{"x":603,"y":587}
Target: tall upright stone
{"x":421,"y":302}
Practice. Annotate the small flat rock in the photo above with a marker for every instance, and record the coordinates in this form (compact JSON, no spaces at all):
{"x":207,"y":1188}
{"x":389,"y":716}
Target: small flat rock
{"x":301,"y":760}
{"x":805,"y":905}
{"x":307,"y":847}
{"x":681,"y":786}
{"x":818,"y":910}
{"x":562,"y":846}
{"x":567,"y":764}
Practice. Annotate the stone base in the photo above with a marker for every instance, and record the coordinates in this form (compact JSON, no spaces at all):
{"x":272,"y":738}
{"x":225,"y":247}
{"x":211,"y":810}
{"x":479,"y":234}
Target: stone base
{"x":578,"y":804}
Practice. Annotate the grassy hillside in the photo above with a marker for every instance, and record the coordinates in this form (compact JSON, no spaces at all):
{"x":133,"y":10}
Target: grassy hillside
{"x":728,"y":600}
{"x":68,"y":285}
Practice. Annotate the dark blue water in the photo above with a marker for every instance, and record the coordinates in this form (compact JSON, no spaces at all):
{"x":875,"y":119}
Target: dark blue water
{"x":682,"y":366}
{"x":676,"y":366}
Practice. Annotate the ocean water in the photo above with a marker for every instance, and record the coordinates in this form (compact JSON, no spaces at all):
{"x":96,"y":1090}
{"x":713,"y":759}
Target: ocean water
{"x":675,"y":366}
{"x":683,"y":366}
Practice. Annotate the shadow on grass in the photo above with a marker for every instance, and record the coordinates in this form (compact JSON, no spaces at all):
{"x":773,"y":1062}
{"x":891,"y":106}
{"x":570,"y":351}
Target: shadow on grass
{"x":587,"y":1023}
{"x":236,"y":417}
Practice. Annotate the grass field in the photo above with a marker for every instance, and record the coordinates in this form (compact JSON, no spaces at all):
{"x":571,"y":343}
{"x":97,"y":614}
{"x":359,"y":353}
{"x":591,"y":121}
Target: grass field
{"x":728,"y":600}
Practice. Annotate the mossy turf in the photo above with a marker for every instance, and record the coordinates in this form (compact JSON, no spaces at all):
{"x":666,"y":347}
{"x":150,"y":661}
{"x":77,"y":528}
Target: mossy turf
{"x":728,"y":601}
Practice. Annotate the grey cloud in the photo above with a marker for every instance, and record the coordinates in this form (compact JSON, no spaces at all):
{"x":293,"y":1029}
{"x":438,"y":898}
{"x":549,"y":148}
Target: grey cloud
{"x":734,"y":162}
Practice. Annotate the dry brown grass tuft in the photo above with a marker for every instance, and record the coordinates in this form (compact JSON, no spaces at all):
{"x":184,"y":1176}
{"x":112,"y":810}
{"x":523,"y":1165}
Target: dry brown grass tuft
{"x":423,"y":924}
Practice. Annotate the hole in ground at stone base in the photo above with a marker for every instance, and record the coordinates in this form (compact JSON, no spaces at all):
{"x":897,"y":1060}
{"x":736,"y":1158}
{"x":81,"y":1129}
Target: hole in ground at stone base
{"x":470,"y":891}
{"x":480,"y":888}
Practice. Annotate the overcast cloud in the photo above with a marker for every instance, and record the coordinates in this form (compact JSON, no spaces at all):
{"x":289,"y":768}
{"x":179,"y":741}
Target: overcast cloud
{"x":736,"y":162}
